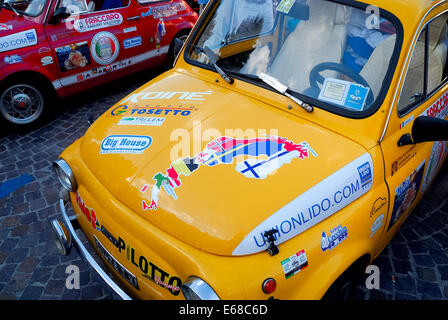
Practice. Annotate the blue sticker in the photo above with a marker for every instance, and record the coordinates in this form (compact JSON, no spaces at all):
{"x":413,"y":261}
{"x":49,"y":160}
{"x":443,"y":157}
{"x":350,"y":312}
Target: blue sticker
{"x":335,"y":237}
{"x":365,"y":174}
{"x":125,"y":144}
{"x":356,"y":97}
{"x":12,"y":59}
{"x":132,"y":42}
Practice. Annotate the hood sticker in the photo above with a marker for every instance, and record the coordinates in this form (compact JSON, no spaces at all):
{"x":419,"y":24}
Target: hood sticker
{"x":224,"y":150}
{"x":125,"y":144}
{"x":313,"y":206}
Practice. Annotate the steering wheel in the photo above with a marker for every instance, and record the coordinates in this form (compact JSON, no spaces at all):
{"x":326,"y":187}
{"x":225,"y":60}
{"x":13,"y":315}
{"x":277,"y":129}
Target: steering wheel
{"x":316,"y":78}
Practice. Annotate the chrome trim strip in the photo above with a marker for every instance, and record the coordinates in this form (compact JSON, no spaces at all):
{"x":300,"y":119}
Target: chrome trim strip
{"x":83,"y":251}
{"x":408,"y":59}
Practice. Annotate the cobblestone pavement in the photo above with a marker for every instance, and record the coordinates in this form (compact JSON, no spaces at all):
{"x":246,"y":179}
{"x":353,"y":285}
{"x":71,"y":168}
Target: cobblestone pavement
{"x":413,"y":266}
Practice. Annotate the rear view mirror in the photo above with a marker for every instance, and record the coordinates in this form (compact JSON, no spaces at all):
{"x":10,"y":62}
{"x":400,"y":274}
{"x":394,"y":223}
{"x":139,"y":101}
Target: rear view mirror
{"x":59,"y":14}
{"x":426,"y":129}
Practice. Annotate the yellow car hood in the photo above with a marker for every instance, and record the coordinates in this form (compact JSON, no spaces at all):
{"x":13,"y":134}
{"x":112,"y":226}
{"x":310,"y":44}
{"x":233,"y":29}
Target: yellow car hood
{"x":215,"y":168}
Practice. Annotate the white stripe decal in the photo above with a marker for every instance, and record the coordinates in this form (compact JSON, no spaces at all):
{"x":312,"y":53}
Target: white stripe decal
{"x":95,"y":72}
{"x":315,"y":205}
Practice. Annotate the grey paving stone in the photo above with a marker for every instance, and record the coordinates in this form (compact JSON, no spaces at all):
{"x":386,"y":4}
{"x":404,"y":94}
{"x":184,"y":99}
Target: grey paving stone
{"x":32,"y":293}
{"x":429,"y":290}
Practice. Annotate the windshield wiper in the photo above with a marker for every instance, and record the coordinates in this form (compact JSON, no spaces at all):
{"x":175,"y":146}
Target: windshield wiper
{"x":213,"y":59}
{"x":282,"y":88}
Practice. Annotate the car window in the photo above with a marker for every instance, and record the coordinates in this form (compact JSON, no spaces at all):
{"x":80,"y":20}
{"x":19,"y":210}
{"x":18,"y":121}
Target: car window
{"x":438,"y":42}
{"x":434,"y":51}
{"x":319,"y":49}
{"x":413,"y":91}
{"x":30,"y":8}
{"x":87,"y":6}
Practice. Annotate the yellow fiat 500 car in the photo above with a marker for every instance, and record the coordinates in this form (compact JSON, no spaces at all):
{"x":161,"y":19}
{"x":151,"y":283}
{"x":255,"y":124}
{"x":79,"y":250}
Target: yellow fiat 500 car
{"x":281,"y":153}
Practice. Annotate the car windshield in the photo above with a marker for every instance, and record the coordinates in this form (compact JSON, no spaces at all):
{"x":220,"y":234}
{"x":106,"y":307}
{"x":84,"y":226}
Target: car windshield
{"x":333,"y":55}
{"x":27,"y":7}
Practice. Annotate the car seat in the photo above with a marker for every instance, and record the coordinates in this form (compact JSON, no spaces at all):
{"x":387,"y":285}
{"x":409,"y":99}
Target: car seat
{"x":319,"y":39}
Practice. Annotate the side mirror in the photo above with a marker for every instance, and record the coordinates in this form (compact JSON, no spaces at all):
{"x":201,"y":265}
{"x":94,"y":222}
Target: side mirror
{"x":58,"y":15}
{"x":426,"y":129}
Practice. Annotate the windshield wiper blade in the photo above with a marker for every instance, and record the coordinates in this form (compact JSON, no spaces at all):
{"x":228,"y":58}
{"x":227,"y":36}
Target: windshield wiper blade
{"x":213,"y":59}
{"x":283,"y":89}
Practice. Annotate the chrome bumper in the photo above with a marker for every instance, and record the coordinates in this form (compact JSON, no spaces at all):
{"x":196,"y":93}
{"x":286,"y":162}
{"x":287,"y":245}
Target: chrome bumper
{"x":71,"y":224}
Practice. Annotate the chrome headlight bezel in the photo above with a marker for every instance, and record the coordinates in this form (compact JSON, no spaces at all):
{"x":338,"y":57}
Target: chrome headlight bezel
{"x":194,"y":288}
{"x":65,"y":175}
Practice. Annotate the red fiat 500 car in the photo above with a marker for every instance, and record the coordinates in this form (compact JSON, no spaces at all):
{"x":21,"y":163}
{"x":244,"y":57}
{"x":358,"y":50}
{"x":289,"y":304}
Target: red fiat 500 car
{"x":57,"y":48}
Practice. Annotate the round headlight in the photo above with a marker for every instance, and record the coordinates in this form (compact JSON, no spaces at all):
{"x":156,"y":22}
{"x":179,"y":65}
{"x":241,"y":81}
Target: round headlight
{"x":65,"y":175}
{"x":197,"y":289}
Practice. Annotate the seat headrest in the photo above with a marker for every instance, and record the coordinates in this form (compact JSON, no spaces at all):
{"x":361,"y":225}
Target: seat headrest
{"x":438,"y":31}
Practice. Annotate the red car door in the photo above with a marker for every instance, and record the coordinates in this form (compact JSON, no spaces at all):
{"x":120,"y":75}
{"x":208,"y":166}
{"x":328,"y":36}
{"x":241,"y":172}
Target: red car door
{"x":163,"y":20}
{"x":94,"y":43}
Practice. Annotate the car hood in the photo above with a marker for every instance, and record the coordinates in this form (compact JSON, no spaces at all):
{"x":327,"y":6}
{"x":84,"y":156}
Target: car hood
{"x":216,"y":168}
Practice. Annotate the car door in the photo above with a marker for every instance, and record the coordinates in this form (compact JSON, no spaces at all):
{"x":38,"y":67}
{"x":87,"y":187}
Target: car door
{"x":410,"y":168}
{"x":98,"y":38}
{"x":162,"y":20}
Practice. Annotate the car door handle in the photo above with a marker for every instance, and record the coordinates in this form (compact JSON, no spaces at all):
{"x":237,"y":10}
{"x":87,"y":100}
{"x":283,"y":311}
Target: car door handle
{"x":133,"y":18}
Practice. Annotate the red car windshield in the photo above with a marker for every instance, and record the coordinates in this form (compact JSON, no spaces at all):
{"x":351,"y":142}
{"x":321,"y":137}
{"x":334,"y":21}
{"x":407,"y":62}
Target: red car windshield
{"x":31,"y":8}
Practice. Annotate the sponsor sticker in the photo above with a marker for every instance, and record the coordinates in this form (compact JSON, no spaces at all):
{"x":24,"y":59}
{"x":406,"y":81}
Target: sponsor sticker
{"x":313,"y":206}
{"x":98,"y":22}
{"x":104,"y":48}
{"x":18,"y":40}
{"x":334,"y":237}
{"x":5,"y":27}
{"x":46,"y":60}
{"x":75,"y":55}
{"x":162,"y":11}
{"x":377,"y":206}
{"x":132,"y":42}
{"x":125,"y":110}
{"x":402,"y":160}
{"x":406,"y":193}
{"x":12,"y":59}
{"x":438,"y":109}
{"x":294,"y":264}
{"x":142,"y":121}
{"x":376,"y":225}
{"x":406,"y":122}
{"x":165,"y":95}
{"x":125,"y":144}
{"x":130,"y":29}
{"x":224,"y":150}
